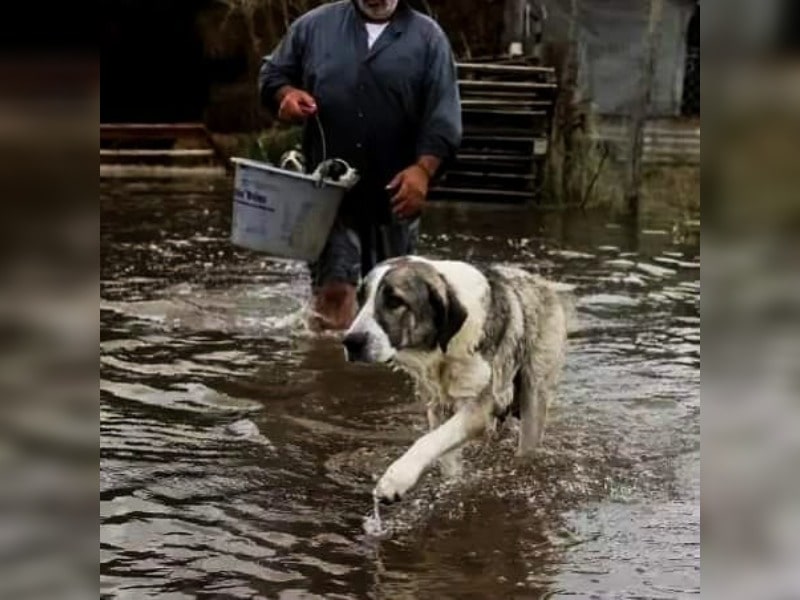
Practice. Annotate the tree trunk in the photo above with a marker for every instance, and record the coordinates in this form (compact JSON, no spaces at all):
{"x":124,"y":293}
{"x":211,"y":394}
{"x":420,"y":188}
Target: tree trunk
{"x":639,"y":114}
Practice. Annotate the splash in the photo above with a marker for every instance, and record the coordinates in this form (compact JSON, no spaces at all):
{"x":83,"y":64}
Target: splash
{"x":374,"y":526}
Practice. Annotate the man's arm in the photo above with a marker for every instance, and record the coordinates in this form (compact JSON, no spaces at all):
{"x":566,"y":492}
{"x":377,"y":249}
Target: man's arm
{"x":440,"y":128}
{"x":281,"y":71}
{"x":430,"y":164}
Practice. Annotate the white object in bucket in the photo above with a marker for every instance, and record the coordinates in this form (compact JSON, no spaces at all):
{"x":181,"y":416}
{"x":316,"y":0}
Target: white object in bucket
{"x":283,"y":213}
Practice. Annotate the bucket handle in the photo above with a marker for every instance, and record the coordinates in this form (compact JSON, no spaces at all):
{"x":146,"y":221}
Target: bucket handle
{"x":319,"y":179}
{"x":319,"y":182}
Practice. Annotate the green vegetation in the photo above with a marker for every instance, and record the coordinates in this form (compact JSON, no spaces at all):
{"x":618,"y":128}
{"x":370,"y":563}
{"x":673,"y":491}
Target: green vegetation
{"x":267,"y":145}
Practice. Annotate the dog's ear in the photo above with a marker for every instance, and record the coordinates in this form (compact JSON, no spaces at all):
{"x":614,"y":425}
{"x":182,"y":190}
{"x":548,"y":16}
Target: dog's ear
{"x":448,"y":314}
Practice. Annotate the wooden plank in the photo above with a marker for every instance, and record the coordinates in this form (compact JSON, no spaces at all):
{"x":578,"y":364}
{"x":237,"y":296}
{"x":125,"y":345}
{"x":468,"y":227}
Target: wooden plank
{"x":524,"y":168}
{"x":140,"y":131}
{"x":521,"y":138}
{"x":651,"y":143}
{"x":160,"y":171}
{"x":136,"y":153}
{"x":495,"y":150}
{"x":509,"y":95}
{"x":665,"y":159}
{"x":666,"y":137}
{"x":153,"y":127}
{"x":651,"y":139}
{"x":498,"y":158}
{"x":507,"y":85}
{"x":521,"y":102}
{"x":502,"y":130}
{"x":512,"y":182}
{"x":505,"y":112}
{"x":504,"y":69}
{"x":469,"y":194}
{"x":694,"y":156}
{"x":515,"y":176}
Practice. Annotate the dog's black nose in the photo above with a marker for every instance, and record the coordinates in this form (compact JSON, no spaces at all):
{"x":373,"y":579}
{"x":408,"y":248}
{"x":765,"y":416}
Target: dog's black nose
{"x":354,"y":344}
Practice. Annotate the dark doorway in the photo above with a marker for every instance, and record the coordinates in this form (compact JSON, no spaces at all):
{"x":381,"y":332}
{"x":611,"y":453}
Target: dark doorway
{"x":789,"y":37}
{"x":152,"y":61}
{"x":690,"y":105}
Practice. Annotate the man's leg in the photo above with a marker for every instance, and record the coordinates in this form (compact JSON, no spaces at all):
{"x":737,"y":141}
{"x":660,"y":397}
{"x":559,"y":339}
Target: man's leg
{"x":345,"y":258}
{"x":396,"y":239}
{"x":334,"y":277}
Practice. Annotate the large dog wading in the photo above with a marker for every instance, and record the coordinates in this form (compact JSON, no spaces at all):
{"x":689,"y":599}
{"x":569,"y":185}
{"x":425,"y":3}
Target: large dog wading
{"x":479,"y":344}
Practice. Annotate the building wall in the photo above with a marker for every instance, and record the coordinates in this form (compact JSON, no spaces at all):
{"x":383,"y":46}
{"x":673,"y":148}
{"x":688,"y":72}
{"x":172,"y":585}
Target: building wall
{"x":611,"y":38}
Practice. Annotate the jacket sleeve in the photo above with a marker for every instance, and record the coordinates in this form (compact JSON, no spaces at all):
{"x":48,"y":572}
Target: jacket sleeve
{"x":441,"y":130}
{"x":282,"y":67}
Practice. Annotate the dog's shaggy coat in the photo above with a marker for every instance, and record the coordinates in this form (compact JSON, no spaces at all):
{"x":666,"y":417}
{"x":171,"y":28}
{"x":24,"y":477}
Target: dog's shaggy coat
{"x":479,"y":344}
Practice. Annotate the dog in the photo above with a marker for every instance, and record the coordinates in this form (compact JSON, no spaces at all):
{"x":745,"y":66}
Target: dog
{"x":480,"y":345}
{"x":332,"y":169}
{"x":293,"y":160}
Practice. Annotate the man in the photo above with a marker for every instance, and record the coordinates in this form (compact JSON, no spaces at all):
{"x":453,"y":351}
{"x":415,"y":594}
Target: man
{"x":381,"y":79}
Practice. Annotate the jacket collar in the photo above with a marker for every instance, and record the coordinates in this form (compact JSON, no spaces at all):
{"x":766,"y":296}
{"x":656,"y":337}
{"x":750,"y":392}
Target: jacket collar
{"x":394,"y":30}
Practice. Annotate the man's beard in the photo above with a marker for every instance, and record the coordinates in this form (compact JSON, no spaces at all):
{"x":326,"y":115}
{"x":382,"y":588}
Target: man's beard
{"x":381,"y":10}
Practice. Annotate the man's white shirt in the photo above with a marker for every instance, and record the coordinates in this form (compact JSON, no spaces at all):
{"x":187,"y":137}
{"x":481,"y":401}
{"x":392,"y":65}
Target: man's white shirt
{"x":374,"y":30}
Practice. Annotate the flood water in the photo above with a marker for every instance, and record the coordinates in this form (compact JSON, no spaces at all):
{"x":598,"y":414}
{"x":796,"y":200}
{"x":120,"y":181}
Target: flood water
{"x":238,"y":451}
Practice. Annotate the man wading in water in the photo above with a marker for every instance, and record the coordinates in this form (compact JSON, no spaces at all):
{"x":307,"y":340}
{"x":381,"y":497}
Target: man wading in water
{"x":382,"y":80}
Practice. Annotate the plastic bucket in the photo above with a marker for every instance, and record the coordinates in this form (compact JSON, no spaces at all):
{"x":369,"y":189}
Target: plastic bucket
{"x":282,"y":213}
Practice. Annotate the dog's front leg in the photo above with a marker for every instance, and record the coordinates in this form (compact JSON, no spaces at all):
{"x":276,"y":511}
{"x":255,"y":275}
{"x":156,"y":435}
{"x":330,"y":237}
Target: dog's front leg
{"x":469,"y":421}
{"x":450,"y":463}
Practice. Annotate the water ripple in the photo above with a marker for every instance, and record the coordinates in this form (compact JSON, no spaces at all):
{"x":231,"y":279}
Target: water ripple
{"x":238,"y":451}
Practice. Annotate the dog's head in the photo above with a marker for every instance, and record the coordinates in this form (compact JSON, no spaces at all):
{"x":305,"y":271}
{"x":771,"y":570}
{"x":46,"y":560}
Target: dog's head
{"x":293,"y":160}
{"x":405,"y":306}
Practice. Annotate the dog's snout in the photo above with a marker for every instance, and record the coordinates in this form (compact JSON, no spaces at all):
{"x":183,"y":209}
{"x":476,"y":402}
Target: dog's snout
{"x":354,"y":344}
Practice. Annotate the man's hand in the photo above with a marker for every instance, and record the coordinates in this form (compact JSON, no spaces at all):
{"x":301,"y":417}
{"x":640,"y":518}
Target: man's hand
{"x":412,"y":189}
{"x":295,"y":105}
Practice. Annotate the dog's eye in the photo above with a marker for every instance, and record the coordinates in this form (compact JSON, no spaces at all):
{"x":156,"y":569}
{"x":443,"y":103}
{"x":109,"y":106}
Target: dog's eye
{"x":393,"y":301}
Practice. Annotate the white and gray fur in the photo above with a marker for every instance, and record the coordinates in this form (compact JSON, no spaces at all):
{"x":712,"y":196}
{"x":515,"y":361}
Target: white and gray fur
{"x":480,"y":345}
{"x":293,"y":160}
{"x":332,"y":169}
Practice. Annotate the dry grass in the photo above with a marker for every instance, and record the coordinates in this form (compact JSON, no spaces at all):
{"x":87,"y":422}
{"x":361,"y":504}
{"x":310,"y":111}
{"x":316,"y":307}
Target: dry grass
{"x":669,"y":193}
{"x":267,"y":145}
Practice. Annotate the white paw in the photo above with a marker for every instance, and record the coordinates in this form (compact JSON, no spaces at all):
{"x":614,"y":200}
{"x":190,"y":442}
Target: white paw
{"x":398,"y":479}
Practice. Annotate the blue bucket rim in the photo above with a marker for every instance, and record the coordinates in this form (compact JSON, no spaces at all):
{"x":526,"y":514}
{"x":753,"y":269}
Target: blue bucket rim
{"x":262,"y":166}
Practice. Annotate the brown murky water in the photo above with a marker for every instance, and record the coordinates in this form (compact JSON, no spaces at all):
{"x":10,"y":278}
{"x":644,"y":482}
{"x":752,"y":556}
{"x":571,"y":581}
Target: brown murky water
{"x":238,"y":452}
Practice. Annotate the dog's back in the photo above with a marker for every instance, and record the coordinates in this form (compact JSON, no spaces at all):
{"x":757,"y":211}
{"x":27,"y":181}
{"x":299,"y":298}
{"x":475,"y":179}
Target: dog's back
{"x":528,"y":311}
